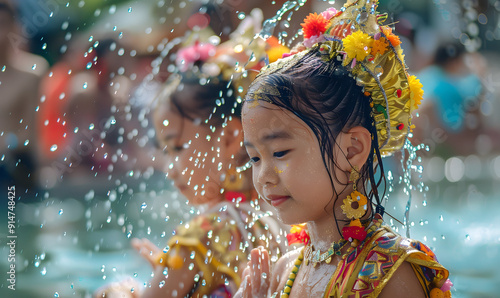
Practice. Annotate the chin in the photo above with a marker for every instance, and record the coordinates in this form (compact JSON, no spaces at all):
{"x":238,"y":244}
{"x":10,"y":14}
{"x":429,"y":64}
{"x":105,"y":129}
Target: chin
{"x":287,"y":220}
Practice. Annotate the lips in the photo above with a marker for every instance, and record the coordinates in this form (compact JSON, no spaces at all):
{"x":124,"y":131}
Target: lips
{"x":277,"y":200}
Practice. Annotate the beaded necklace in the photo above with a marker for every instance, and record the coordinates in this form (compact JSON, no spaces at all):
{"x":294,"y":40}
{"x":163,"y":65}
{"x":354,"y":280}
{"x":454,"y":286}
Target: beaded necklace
{"x":315,"y":256}
{"x":293,"y":274}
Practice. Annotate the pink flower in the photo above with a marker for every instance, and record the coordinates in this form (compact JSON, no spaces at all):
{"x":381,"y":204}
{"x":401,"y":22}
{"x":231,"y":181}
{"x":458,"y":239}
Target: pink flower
{"x":329,"y":13}
{"x":309,"y":42}
{"x":447,"y":285}
{"x":186,"y":57}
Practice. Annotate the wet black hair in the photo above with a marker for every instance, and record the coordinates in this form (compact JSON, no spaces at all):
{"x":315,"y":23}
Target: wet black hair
{"x":448,"y":52}
{"x":325,"y":96}
{"x":211,"y":100}
{"x":8,"y":9}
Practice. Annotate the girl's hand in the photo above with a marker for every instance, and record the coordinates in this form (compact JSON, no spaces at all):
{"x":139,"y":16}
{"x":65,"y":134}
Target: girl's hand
{"x":256,"y":277}
{"x":147,"y":250}
{"x":127,"y":288}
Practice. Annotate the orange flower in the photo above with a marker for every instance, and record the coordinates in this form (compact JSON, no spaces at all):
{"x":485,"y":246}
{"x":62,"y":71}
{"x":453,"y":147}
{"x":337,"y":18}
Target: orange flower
{"x":314,"y":25}
{"x":379,"y":46}
{"x":275,"y":50}
{"x":394,"y":39}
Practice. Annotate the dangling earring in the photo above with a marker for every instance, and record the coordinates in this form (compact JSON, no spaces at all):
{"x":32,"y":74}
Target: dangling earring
{"x":354,"y":207}
{"x":232,"y":183}
{"x":232,"y":180}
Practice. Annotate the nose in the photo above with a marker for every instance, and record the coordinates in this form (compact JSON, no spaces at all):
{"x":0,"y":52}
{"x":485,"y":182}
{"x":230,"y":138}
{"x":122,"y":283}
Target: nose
{"x":267,"y":174}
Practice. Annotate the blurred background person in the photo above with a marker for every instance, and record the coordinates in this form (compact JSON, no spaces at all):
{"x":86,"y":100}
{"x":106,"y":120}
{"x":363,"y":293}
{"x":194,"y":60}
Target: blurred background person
{"x":452,"y":92}
{"x":18,"y":102}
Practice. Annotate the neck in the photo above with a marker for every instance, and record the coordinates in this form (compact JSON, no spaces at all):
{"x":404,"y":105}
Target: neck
{"x":324,"y":232}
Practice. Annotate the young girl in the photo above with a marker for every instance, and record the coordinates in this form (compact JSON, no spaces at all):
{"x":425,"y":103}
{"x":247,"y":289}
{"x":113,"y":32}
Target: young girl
{"x":200,"y":135}
{"x":316,"y":125}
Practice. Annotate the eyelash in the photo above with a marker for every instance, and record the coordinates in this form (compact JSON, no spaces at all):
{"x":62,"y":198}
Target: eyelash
{"x":176,"y":149}
{"x":254,"y":160}
{"x":278,"y":154}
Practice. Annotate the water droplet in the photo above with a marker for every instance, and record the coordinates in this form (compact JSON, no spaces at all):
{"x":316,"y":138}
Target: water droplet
{"x":241,"y":15}
{"x":91,"y":126}
{"x":56,"y":294}
{"x":89,"y":65}
{"x":4,"y":68}
{"x":60,"y":211}
{"x":44,"y":46}
{"x":467,"y":237}
{"x":33,"y":67}
{"x":85,"y":85}
{"x":112,"y":9}
{"x":130,"y":9}
{"x":44,"y":271}
{"x":26,"y":142}
{"x":144,"y":205}
{"x":165,"y":122}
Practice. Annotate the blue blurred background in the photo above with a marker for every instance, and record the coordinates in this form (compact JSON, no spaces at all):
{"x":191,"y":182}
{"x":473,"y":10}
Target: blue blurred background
{"x":76,"y":210}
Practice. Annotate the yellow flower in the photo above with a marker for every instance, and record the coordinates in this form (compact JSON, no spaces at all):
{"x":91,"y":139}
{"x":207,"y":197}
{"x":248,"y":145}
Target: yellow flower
{"x":297,"y":228}
{"x":357,"y":45}
{"x":355,"y":205}
{"x":416,"y":91}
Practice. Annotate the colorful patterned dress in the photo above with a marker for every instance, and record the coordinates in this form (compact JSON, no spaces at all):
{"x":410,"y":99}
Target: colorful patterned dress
{"x":219,"y":241}
{"x":364,"y":271}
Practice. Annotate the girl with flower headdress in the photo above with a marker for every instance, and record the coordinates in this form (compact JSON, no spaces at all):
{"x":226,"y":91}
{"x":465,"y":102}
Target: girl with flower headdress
{"x":316,"y":126}
{"x":199,"y":131}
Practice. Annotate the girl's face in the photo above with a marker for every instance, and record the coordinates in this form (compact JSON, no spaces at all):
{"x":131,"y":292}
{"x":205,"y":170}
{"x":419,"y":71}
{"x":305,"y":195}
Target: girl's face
{"x":192,"y":154}
{"x":288,"y":170}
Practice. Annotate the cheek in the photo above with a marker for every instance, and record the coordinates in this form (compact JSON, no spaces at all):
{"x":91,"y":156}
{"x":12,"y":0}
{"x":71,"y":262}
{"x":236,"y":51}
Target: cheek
{"x":255,"y":176}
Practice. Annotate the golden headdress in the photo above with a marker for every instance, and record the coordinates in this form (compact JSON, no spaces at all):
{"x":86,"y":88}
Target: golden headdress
{"x":373,"y":55}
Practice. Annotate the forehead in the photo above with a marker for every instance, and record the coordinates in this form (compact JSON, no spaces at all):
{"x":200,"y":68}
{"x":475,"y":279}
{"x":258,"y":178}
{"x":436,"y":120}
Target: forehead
{"x":261,"y":119}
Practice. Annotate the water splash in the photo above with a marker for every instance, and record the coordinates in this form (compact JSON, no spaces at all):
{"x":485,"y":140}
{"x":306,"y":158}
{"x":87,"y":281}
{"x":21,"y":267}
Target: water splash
{"x":270,"y":24}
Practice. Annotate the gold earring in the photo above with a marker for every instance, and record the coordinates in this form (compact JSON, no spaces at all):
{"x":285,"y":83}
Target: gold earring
{"x":233,"y":181}
{"x":354,"y":207}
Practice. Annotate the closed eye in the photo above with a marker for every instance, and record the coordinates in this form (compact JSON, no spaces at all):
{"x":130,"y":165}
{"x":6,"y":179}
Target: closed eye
{"x":253,"y":160}
{"x":280,"y":154}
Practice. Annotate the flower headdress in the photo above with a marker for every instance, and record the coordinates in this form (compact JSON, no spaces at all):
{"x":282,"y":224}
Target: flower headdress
{"x":373,"y":56}
{"x":206,"y":57}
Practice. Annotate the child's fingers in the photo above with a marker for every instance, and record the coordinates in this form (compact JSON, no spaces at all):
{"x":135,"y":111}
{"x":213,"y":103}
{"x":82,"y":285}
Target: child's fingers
{"x":265,"y":261}
{"x":247,"y":288}
{"x":255,"y":270}
{"x":265,"y":270}
{"x":246,"y":272}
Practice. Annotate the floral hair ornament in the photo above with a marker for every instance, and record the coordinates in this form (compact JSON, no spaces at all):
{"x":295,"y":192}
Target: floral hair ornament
{"x":372,"y":54}
{"x":298,"y":234}
{"x":207,"y":59}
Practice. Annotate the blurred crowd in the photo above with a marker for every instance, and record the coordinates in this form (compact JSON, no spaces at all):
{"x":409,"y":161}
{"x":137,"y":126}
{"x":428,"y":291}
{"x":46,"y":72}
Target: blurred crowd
{"x":86,"y":115}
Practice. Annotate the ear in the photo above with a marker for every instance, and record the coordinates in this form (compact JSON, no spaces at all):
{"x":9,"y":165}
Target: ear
{"x":356,"y":144}
{"x":233,"y":136}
